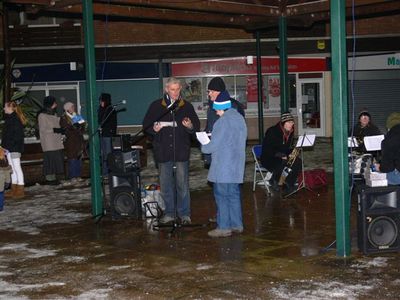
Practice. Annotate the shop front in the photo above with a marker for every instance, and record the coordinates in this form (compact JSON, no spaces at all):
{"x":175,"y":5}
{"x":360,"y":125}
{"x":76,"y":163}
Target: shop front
{"x":306,"y":89}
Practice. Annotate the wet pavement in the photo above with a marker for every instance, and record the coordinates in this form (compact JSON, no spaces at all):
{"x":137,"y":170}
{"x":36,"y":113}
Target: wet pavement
{"x":51,"y":248}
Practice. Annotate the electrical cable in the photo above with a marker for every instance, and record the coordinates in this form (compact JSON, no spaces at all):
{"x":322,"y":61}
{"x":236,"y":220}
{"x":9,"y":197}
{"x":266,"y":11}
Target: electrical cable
{"x":106,"y":42}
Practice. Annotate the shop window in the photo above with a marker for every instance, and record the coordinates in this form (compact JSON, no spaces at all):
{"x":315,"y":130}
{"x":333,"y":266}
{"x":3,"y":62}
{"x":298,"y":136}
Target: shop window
{"x":22,"y":18}
{"x":243,"y":88}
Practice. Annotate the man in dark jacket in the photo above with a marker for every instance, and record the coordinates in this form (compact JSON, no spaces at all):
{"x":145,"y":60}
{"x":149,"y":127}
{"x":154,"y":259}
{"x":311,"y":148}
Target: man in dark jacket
{"x":216,"y":86}
{"x":276,"y":151}
{"x":363,"y":128}
{"x":171,"y":122}
{"x":107,"y":118}
{"x":390,"y":160}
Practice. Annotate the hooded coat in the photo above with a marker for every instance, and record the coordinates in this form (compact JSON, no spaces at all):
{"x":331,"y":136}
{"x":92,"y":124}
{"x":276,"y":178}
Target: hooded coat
{"x":391,"y":150}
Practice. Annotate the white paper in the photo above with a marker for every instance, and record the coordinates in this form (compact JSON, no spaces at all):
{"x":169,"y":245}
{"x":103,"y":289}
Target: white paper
{"x":373,"y":142}
{"x":202,"y":137}
{"x":309,"y":140}
{"x":167,"y":124}
{"x":352,"y":142}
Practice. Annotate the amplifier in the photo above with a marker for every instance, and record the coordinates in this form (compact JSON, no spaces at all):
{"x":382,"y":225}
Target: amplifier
{"x":122,"y":162}
{"x":121,"y":142}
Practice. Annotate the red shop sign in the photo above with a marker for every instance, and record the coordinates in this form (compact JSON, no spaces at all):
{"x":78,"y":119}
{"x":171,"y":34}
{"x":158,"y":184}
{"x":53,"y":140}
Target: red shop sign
{"x":239,"y":66}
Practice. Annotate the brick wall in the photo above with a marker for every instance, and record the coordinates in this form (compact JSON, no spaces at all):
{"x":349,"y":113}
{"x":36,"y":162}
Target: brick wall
{"x":121,"y":32}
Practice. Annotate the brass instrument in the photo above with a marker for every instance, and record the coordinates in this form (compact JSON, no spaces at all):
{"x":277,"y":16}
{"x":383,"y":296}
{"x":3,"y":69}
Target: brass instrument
{"x":288,"y":168}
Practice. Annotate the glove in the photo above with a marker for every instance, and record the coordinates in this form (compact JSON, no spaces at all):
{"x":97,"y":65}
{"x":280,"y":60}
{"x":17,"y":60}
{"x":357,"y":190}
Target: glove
{"x":59,"y":130}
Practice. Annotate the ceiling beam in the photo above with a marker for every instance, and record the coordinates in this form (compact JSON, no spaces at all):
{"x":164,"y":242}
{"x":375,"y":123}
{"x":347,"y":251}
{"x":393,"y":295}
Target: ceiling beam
{"x":364,"y":11}
{"x":167,"y":15}
{"x":216,"y":6}
{"x":324,"y":6}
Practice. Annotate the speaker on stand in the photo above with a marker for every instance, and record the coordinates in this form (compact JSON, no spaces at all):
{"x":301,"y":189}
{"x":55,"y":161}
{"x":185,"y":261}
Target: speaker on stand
{"x":378,"y":219}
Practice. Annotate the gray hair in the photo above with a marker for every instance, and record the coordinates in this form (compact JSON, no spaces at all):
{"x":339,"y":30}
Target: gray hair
{"x":173,"y":80}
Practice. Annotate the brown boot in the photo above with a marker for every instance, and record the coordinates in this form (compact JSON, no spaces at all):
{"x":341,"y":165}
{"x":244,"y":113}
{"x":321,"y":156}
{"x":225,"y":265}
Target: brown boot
{"x":19,"y":192}
{"x":10,"y":193}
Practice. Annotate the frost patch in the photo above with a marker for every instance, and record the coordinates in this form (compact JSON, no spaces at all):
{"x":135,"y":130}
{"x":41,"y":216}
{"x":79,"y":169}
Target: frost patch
{"x":94,"y":294}
{"x":13,"y":288}
{"x":44,"y":207}
{"x":71,"y":259}
{"x":310,"y":290}
{"x":203,"y":267}
{"x":118,"y":267}
{"x":32,"y":253}
{"x":368,"y":263}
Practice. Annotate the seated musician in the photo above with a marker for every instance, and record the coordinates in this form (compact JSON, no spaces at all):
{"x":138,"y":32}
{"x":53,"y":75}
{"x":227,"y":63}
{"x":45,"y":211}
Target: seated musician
{"x":390,"y":147}
{"x":363,"y":128}
{"x":276,"y":150}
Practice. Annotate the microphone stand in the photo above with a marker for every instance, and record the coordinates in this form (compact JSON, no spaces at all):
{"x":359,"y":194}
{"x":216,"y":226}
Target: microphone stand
{"x":174,"y":225}
{"x":99,"y":132}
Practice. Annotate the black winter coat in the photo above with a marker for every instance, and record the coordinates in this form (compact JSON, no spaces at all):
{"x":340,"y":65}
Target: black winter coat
{"x":109,"y":128}
{"x":13,"y":133}
{"x":163,"y":140}
{"x":391,"y":150}
{"x":275,"y":146}
{"x":360,"y":132}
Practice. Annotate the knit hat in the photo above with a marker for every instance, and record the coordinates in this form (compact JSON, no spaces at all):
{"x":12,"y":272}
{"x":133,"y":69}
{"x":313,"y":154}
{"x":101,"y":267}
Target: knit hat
{"x":364,"y":113}
{"x":68,"y":106}
{"x":223,"y":101}
{"x":217,"y":84}
{"x":286,"y":116}
{"x":393,"y":120}
{"x":48,"y":101}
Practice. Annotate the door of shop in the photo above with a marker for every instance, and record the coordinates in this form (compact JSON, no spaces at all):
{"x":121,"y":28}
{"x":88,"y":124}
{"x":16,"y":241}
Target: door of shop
{"x":310,"y":107}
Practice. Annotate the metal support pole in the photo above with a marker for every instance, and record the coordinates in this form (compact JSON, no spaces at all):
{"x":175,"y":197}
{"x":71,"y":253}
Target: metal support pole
{"x":7,"y":58}
{"x":283,"y":64}
{"x":340,"y":123}
{"x":160,"y":77}
{"x":259,"y":89}
{"x":90,"y":59}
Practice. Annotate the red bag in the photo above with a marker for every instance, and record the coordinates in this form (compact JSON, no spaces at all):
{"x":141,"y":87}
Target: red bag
{"x":313,"y":178}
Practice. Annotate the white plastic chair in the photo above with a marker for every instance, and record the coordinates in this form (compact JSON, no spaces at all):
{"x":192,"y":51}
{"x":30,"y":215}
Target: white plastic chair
{"x":260,"y":171}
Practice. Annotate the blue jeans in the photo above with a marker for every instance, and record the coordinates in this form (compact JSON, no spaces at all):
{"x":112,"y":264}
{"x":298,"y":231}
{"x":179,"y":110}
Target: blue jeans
{"x":179,"y":187}
{"x":393,"y":177}
{"x":74,"y":168}
{"x":106,"y":148}
{"x":229,"y":206}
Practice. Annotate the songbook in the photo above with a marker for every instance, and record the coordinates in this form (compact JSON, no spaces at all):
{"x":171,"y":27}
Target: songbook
{"x":352,"y":142}
{"x":306,"y":140}
{"x":202,"y":137}
{"x":373,"y":142}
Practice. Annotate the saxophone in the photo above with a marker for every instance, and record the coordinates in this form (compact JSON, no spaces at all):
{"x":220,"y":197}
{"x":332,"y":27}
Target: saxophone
{"x":288,"y":168}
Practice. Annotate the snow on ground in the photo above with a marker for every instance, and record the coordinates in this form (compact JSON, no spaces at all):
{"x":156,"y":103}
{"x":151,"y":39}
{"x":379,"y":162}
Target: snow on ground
{"x":313,"y":290}
{"x":44,"y":206}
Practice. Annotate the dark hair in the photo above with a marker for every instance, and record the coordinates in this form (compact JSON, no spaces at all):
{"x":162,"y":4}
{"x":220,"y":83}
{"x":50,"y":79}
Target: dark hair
{"x":364,"y":113}
{"x":106,"y":98}
{"x":48,"y":101}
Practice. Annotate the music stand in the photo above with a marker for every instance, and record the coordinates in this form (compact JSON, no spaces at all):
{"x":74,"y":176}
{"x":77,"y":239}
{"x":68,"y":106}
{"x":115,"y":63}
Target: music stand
{"x":306,"y":140}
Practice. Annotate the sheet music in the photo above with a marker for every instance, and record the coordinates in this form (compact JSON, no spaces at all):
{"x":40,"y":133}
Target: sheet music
{"x":309,"y":140}
{"x":202,"y":137}
{"x":373,"y":142}
{"x":352,"y":142}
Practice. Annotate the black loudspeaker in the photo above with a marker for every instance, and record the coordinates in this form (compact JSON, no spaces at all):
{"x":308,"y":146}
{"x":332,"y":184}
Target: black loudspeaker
{"x":124,"y":162}
{"x":125,"y":196}
{"x":121,"y":142}
{"x":378,"y":219}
